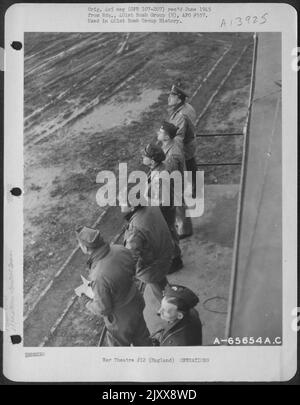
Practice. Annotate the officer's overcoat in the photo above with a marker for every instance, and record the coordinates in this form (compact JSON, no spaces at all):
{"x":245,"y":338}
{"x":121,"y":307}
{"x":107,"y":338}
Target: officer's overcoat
{"x":116,"y":297}
{"x":174,"y":158}
{"x":183,"y":118}
{"x":149,"y":239}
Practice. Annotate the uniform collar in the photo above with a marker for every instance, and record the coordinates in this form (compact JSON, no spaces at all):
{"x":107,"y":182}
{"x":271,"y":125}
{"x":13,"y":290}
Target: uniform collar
{"x":168,"y":147}
{"x":174,"y":110}
{"x":174,"y":325}
{"x":180,"y":322}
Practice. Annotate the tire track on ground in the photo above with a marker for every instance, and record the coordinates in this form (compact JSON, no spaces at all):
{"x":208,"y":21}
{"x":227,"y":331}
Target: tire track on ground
{"x":50,"y":338}
{"x":39,"y":327}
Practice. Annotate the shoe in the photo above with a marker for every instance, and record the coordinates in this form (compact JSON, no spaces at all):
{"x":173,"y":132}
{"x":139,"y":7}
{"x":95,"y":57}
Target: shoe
{"x":176,"y":265}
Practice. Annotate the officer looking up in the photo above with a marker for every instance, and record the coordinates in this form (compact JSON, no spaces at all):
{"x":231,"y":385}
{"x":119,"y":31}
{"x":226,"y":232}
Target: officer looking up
{"x":174,"y":161}
{"x":153,"y":157}
{"x":183,"y":116}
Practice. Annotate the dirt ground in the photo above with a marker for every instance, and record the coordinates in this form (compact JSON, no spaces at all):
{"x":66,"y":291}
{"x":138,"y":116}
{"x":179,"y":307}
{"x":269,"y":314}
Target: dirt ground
{"x":87,"y":107}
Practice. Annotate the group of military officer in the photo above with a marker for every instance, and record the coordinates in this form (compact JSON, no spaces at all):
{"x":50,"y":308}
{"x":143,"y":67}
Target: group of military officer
{"x":151,"y":249}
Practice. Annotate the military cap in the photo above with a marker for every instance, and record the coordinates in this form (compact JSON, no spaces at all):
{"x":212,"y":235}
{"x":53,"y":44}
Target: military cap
{"x":178,"y":91}
{"x":154,"y":152}
{"x":183,"y":297}
{"x":89,"y":237}
{"x":170,"y":128}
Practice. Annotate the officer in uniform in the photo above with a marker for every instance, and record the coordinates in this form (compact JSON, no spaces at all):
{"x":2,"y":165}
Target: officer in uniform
{"x":174,"y":161}
{"x":183,"y":116}
{"x":148,"y":238}
{"x":174,"y":157}
{"x":116,"y":297}
{"x":153,"y":157}
{"x":183,"y":327}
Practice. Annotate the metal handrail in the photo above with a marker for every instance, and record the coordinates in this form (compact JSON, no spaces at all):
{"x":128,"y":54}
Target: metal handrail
{"x":220,"y":164}
{"x":208,"y":134}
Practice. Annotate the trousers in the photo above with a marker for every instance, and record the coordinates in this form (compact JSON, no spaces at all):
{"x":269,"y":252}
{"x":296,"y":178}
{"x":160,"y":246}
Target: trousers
{"x":169,"y":213}
{"x":191,"y":166}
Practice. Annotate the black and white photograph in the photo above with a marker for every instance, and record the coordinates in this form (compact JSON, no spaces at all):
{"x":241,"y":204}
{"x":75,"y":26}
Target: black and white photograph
{"x":152,"y":193}
{"x":93,"y":100}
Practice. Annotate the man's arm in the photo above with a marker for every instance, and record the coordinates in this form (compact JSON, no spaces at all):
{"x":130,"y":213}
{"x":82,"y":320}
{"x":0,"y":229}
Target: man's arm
{"x":173,"y":163}
{"x":182,"y":125}
{"x":135,"y":242}
{"x":102,"y":303}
